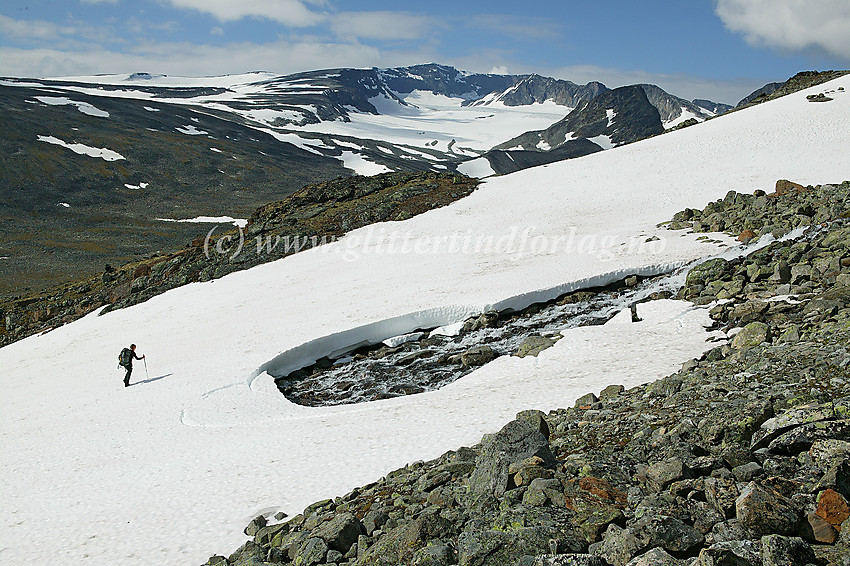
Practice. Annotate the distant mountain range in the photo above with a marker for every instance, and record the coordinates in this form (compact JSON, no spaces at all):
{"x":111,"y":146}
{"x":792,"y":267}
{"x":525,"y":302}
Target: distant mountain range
{"x":90,"y":166}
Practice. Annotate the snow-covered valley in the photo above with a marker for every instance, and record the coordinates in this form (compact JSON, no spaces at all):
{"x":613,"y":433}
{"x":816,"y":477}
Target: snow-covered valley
{"x":172,"y":468}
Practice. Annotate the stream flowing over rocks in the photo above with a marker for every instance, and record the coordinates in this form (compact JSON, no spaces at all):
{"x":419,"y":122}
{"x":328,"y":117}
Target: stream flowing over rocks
{"x":740,"y":458}
{"x":432,"y":358}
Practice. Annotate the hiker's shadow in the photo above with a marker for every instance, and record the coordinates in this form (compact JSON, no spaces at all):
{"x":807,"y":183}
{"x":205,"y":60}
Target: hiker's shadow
{"x":151,"y":379}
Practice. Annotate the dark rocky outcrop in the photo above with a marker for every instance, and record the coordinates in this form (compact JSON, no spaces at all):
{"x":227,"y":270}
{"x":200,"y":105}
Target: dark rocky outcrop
{"x":798,"y":82}
{"x":312,"y":216}
{"x":624,"y":115}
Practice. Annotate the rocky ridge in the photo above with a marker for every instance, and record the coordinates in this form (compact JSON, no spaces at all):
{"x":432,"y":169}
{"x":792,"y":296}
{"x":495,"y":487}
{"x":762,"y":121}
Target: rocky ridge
{"x":742,"y":457}
{"x":315,"y":215}
{"x":624,"y":115}
{"x":800,"y":81}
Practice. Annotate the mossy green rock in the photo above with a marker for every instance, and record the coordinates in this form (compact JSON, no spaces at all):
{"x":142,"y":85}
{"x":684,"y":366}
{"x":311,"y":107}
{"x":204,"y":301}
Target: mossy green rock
{"x":753,"y":334}
{"x":705,"y":272}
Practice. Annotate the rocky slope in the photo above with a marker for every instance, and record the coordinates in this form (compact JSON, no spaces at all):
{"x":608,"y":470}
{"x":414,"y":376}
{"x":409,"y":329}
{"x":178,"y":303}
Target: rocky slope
{"x":800,"y":81}
{"x":742,"y":457}
{"x":64,"y":214}
{"x":314,"y":215}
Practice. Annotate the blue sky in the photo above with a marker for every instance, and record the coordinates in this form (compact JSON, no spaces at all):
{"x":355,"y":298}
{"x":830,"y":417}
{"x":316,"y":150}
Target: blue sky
{"x":717,"y":49}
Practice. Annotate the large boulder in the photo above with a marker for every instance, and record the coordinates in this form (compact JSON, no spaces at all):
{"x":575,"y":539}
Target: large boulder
{"x":656,"y":557}
{"x":669,"y":533}
{"x":500,"y":548}
{"x":340,"y":532}
{"x":518,"y":440}
{"x":402,"y":543}
{"x":707,"y":271}
{"x":762,"y":511}
{"x":533,"y":345}
{"x":731,"y":553}
{"x":778,"y":550}
{"x":751,"y":335}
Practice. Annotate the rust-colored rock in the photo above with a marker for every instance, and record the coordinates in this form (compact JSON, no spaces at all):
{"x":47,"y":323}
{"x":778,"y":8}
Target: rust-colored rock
{"x":746,"y":235}
{"x":785,"y":187}
{"x":833,"y":508}
{"x":590,"y":491}
{"x":142,"y":270}
{"x":821,"y":530}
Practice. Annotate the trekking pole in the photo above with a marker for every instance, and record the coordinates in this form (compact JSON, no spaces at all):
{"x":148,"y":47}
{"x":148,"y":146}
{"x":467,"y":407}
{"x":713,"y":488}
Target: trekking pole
{"x":147,"y":375}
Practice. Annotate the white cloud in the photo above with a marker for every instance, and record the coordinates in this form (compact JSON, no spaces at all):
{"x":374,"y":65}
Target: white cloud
{"x":185,"y":59}
{"x":288,"y":12}
{"x":528,"y":27}
{"x":790,"y":24}
{"x":382,"y":25}
{"x":33,"y":29}
{"x":500,"y":70}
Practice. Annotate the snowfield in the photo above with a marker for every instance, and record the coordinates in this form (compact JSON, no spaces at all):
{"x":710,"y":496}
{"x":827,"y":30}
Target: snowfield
{"x":170,"y":470}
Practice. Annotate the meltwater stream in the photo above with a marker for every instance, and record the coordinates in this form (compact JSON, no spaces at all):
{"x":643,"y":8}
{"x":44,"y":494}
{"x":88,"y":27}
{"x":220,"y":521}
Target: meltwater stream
{"x":427,"y":360}
{"x":431,"y":358}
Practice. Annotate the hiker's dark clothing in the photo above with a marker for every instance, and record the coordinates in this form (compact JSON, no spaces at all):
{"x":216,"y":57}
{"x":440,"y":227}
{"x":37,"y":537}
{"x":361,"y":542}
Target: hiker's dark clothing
{"x":129,"y":366}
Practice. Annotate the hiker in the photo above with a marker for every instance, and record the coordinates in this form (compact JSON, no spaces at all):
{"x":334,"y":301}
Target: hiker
{"x":125,"y":359}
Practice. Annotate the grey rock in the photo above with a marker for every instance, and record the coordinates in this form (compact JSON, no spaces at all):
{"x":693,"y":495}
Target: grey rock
{"x":542,"y":491}
{"x":727,"y":531}
{"x":803,"y":437}
{"x":828,"y":452}
{"x":436,"y":554}
{"x":778,"y":550}
{"x":763,"y":511}
{"x":731,"y":553}
{"x":477,"y":356}
{"x":340,"y":532}
{"x":312,"y":552}
{"x":533,"y":345}
{"x":655,"y":557}
{"x":745,"y":472}
{"x":498,"y":548}
{"x":373,"y":520}
{"x":619,"y":546}
{"x":669,"y":533}
{"x":751,"y":335}
{"x":518,"y":440}
{"x":569,"y":560}
{"x":662,"y":474}
{"x":249,"y":554}
{"x":722,"y":495}
{"x":837,"y":478}
{"x":710,"y":270}
{"x":334,"y":557}
{"x":536,"y":418}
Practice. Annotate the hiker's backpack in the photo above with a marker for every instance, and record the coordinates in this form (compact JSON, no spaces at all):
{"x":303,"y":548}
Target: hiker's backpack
{"x":125,"y":357}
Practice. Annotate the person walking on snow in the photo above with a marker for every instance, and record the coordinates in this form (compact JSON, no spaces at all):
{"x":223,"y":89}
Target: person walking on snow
{"x":125,"y":359}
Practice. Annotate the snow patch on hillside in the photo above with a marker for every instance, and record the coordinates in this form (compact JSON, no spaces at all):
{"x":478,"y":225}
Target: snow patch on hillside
{"x":239,"y":222}
{"x":479,"y":168}
{"x":102,"y":152}
{"x":83,"y":107}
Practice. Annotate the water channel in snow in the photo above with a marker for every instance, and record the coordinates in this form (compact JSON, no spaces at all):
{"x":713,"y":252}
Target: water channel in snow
{"x":431,"y":358}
